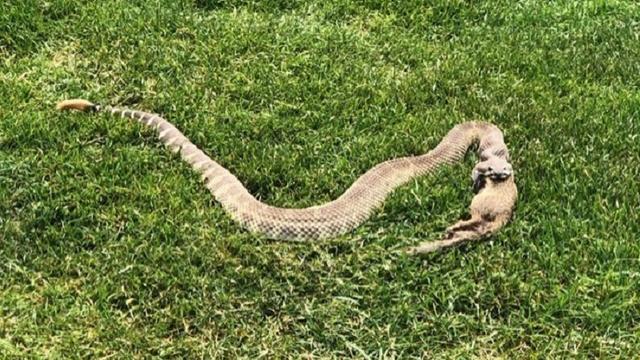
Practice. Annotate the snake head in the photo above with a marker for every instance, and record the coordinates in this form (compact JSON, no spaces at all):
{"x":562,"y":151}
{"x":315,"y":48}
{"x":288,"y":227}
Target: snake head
{"x":495,"y":168}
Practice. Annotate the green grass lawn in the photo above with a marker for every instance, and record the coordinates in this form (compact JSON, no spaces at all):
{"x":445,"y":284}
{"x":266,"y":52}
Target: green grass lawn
{"x":111,"y":247}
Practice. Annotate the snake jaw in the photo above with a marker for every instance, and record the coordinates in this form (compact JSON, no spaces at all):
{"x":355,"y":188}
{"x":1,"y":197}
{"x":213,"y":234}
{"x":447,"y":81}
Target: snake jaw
{"x":499,"y":175}
{"x":495,"y":169}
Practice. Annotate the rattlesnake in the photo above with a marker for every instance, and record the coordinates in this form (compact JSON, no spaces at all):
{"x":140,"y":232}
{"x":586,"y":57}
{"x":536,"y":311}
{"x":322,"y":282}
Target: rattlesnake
{"x":491,"y":207}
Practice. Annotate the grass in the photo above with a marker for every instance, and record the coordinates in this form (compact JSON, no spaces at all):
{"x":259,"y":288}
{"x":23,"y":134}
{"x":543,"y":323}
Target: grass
{"x":111,"y":247}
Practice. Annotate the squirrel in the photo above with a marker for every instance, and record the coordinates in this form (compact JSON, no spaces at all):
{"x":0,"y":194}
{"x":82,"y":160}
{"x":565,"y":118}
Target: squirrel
{"x":491,"y":207}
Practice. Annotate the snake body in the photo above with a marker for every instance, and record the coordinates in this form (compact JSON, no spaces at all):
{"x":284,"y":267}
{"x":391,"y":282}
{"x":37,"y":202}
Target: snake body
{"x":333,"y":218}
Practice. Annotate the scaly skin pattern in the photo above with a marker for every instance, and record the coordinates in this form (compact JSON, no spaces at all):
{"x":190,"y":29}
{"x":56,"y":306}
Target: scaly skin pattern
{"x":490,"y":209}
